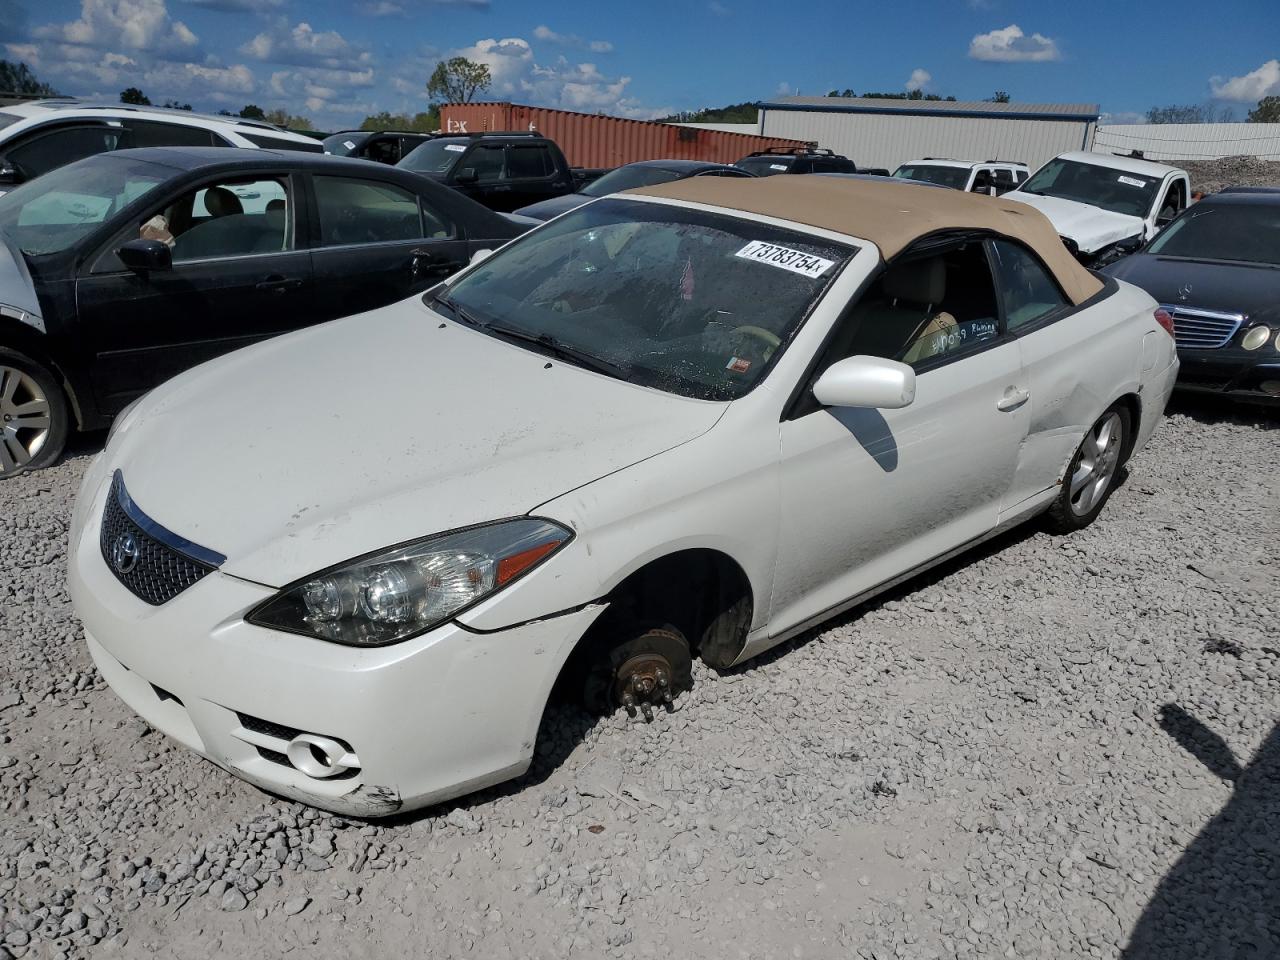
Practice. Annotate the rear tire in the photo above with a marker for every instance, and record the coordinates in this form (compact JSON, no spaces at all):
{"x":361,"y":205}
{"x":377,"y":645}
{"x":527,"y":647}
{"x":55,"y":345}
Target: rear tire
{"x":34,"y":418}
{"x":640,"y":667}
{"x":1091,"y":476}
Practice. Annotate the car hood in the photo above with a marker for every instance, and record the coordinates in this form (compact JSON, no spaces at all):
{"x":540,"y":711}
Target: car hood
{"x":1092,"y":228}
{"x":325,"y":444}
{"x":546,"y":209}
{"x":17,"y":291}
{"x":1251,"y":289}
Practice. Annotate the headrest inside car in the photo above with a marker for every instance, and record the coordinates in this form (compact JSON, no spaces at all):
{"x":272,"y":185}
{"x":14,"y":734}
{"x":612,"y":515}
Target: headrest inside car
{"x":917,"y":281}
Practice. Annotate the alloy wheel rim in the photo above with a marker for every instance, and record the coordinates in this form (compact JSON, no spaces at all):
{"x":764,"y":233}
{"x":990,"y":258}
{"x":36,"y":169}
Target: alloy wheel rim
{"x":25,"y":419}
{"x":1095,"y":464}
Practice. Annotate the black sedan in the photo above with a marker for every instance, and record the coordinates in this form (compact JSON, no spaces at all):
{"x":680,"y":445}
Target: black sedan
{"x":1216,"y":269}
{"x":643,"y":173}
{"x":123,"y":269}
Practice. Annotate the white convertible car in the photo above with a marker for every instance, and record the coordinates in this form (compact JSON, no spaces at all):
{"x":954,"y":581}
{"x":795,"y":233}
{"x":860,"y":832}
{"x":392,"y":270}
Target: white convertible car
{"x":350,"y":564}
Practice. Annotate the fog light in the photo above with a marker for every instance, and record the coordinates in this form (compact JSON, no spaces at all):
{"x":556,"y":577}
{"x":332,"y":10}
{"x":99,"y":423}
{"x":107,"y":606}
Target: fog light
{"x":1256,"y":337}
{"x":320,"y":757}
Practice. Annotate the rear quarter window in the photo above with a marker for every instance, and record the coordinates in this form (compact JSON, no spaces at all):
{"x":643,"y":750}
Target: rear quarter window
{"x":279,"y":143}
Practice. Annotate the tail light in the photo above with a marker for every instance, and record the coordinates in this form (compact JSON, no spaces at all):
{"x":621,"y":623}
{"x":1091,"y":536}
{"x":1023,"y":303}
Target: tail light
{"x":1165,"y":319}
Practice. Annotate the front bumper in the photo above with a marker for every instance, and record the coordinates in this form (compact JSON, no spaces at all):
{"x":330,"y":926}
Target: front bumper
{"x":427,"y":719}
{"x":1232,"y":372}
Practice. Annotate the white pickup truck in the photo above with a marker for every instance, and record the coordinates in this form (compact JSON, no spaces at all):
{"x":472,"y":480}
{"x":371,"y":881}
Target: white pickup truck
{"x":1105,"y":206}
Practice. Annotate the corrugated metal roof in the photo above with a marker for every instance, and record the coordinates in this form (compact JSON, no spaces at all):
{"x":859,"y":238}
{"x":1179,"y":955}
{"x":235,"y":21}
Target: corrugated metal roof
{"x":963,"y":108}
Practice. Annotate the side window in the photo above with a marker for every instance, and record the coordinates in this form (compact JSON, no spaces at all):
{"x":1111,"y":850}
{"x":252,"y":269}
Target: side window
{"x":277,"y":143}
{"x":383,"y":149}
{"x":1174,"y":202}
{"x":43,"y":152}
{"x":1026,"y":287}
{"x":230,"y":218}
{"x":367,"y":211}
{"x":1003,"y":180}
{"x":922,"y":309}
{"x":1022,"y":176}
{"x":529,"y":162}
{"x":487,"y":160}
{"x":151,"y":133}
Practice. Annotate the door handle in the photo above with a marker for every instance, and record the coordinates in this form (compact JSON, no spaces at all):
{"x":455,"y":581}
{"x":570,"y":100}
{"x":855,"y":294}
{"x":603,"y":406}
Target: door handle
{"x":1013,"y":398}
{"x":278,"y":284}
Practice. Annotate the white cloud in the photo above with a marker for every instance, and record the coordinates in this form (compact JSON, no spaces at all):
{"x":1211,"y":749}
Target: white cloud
{"x":1250,"y":88}
{"x":718,"y":8}
{"x":1011,"y":45}
{"x":143,"y":25}
{"x":303,"y":45}
{"x":918,"y":80}
{"x":571,"y":40}
{"x":784,"y":90}
{"x":508,"y":61}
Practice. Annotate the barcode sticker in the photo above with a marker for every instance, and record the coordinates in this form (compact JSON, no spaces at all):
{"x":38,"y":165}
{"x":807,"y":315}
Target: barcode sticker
{"x":797,"y":261}
{"x":778,"y":166}
{"x":454,"y":147}
{"x":1131,"y":182}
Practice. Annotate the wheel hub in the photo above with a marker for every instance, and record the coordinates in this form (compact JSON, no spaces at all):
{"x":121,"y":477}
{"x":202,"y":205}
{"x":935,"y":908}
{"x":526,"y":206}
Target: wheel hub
{"x":643,"y":682}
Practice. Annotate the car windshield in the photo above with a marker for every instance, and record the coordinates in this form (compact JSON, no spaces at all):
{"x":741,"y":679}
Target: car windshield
{"x":52,"y":213}
{"x":694,"y":303}
{"x":765,"y":166}
{"x":8,"y":118}
{"x":1245,"y":232}
{"x":343,"y":144}
{"x":626,"y":178}
{"x":1116,"y":190}
{"x":434,"y":156}
{"x":954,"y":177}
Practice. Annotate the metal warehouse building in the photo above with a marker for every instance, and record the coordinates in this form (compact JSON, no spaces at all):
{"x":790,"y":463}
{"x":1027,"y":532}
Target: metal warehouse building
{"x":885,"y":133}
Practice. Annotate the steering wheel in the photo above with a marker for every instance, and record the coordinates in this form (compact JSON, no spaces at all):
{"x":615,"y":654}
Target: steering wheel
{"x":767,"y":337}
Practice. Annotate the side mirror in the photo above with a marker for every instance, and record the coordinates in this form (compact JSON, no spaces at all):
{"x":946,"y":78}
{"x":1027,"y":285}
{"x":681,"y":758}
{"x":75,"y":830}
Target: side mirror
{"x":866,"y":382}
{"x":10,"y":173}
{"x":481,"y":255}
{"x":981,"y":184}
{"x":466,"y":175}
{"x":143,"y":256}
{"x":1164,"y":219}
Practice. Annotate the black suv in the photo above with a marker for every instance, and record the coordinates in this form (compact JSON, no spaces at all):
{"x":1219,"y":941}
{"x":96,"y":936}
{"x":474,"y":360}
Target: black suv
{"x":384,"y":146}
{"x":503,"y":171}
{"x":775,"y":160}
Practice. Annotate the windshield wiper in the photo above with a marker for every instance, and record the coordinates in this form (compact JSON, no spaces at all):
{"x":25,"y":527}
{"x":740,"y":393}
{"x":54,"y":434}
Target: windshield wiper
{"x":458,"y":312}
{"x":564,"y":351}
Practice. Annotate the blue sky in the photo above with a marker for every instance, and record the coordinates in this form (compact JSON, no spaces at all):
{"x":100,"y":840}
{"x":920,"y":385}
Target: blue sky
{"x":339,"y":61}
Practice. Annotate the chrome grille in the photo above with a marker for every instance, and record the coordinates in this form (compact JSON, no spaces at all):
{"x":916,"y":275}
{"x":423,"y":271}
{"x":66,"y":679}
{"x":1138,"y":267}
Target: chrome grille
{"x":157,"y":565}
{"x":1197,"y":329}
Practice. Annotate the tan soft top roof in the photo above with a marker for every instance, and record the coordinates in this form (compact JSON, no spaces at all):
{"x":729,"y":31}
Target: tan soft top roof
{"x":890,"y":215}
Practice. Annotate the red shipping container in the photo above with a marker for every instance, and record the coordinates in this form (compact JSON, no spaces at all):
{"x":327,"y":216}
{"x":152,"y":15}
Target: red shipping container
{"x":591,"y":140}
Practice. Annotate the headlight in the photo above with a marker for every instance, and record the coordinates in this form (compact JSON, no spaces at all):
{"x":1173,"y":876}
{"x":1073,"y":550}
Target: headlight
{"x":1256,"y":337}
{"x":120,"y":418}
{"x":401,"y":592}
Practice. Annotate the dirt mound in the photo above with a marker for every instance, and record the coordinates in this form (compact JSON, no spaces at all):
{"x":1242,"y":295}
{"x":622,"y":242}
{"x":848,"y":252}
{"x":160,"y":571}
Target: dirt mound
{"x":1210,"y":176}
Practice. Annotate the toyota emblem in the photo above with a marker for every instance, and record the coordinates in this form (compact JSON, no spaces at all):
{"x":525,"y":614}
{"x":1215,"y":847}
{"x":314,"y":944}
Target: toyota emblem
{"x":124,"y":553}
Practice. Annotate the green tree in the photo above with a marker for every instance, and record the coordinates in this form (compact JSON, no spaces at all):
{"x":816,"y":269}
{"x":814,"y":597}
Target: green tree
{"x":458,"y":80}
{"x":175,"y":105}
{"x":135,"y":96}
{"x":251,"y":111}
{"x":426,"y":122}
{"x":18,"y":78}
{"x":282,"y":118}
{"x":1190,"y":113}
{"x":1267,"y":111}
{"x":999,"y":97}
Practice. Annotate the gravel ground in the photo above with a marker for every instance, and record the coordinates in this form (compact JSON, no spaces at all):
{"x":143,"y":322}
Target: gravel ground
{"x":1210,"y":176}
{"x":1052,"y":747}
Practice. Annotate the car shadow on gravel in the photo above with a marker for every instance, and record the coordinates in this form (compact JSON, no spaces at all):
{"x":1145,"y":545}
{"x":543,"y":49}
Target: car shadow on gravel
{"x":1209,"y":409}
{"x":1222,"y":898}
